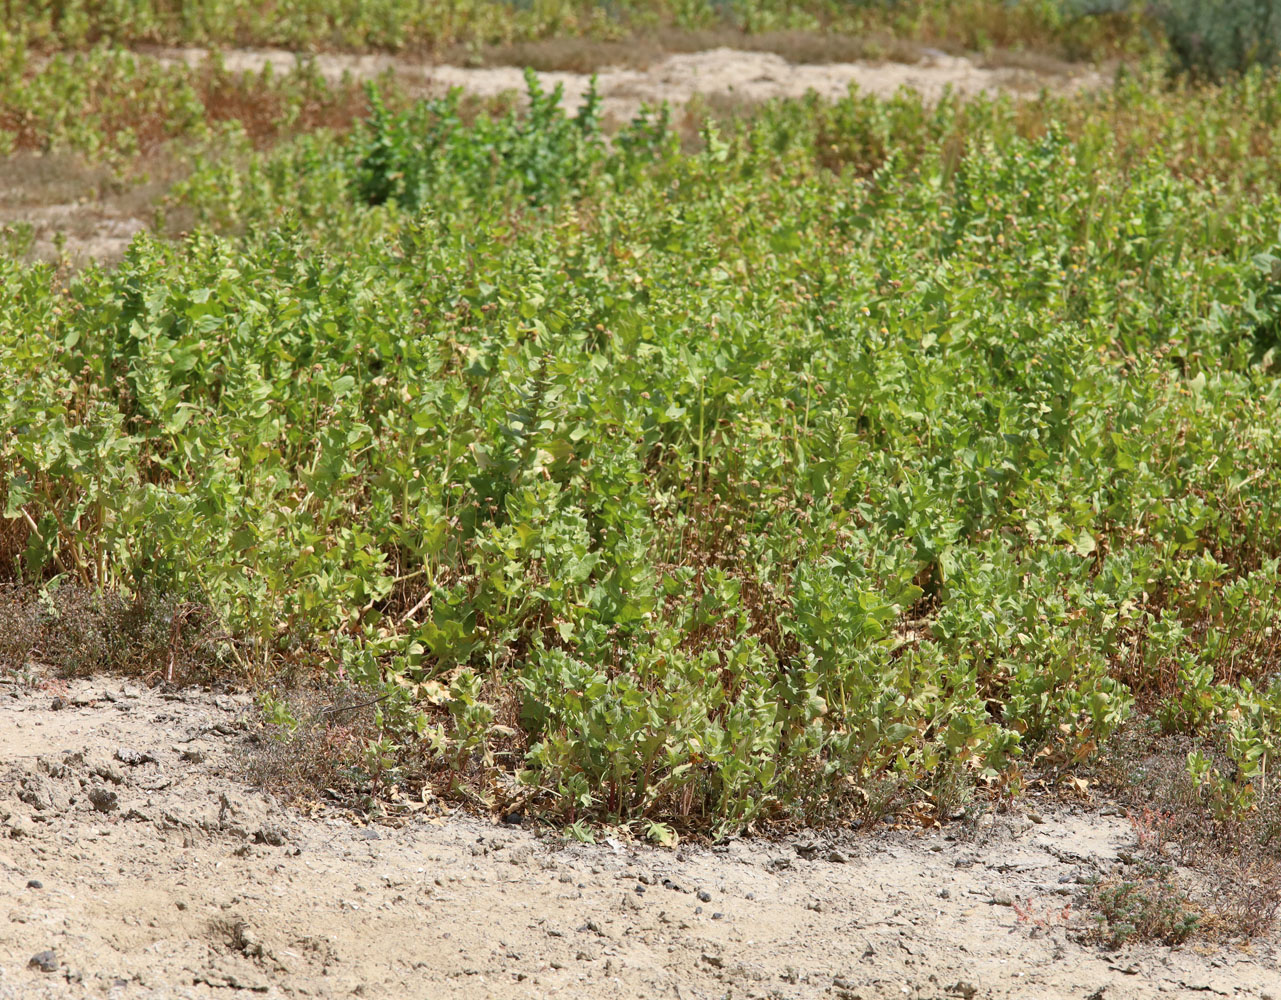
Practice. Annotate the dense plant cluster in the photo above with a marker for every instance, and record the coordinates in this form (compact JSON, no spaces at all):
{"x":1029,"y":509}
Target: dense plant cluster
{"x":862,"y":442}
{"x":441,"y":25}
{"x":108,"y":104}
{"x":1221,"y":37}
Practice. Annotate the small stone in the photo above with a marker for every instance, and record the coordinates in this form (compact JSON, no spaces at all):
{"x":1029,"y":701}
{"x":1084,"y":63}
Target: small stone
{"x":944,"y":894}
{"x":837,"y":857}
{"x":1002,"y":897}
{"x":718,"y":915}
{"x":132,"y":757}
{"x":108,"y":771}
{"x":750,"y":895}
{"x":270,"y":834}
{"x":104,"y":799}
{"x":45,"y":961}
{"x":513,"y":819}
{"x":20,"y":826}
{"x":34,"y":883}
{"x":57,"y":705}
{"x":814,"y":905}
{"x":704,"y":896}
{"x":44,"y":795}
{"x":193,"y":755}
{"x":715,"y":961}
{"x":1036,"y":817}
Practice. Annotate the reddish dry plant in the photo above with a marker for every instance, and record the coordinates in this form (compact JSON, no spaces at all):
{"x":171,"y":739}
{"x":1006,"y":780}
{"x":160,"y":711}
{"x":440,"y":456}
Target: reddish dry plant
{"x":1152,"y":827}
{"x":266,"y":112}
{"x":1043,"y":921}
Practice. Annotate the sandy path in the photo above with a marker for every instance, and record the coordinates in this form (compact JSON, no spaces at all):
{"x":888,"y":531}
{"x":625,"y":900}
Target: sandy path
{"x":191,"y":884}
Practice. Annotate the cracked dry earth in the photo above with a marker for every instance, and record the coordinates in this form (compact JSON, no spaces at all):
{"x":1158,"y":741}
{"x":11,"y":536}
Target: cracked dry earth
{"x":134,"y":863}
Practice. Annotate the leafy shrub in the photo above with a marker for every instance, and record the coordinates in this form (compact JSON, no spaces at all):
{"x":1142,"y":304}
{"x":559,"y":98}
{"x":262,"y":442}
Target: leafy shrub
{"x":425,"y":154}
{"x":868,"y":445}
{"x":1148,"y":909}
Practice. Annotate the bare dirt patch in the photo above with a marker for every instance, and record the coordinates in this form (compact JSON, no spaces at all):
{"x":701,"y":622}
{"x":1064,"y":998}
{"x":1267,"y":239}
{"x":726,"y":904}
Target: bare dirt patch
{"x":747,"y":76}
{"x":134,"y":861}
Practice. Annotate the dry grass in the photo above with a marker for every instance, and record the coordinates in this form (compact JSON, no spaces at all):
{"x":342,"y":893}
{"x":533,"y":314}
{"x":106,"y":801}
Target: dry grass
{"x":324,"y":750}
{"x":74,"y":632}
{"x":1232,"y":860}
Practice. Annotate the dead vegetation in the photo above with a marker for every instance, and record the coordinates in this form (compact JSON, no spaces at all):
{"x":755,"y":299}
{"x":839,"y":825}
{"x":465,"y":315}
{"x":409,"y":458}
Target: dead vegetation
{"x":1201,"y":868}
{"x":72,"y":631}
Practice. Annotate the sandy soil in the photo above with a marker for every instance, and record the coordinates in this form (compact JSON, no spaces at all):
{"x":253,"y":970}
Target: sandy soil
{"x":721,"y":73}
{"x":134,"y":863}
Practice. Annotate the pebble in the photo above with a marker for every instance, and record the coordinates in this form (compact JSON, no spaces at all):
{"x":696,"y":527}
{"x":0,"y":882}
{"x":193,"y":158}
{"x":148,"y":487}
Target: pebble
{"x":1002,"y":897}
{"x":837,"y":857}
{"x":132,"y":757}
{"x":45,"y":961}
{"x":34,"y":883}
{"x":20,"y":826}
{"x":109,"y":772}
{"x":104,"y":799}
{"x":704,"y":895}
{"x":718,"y":915}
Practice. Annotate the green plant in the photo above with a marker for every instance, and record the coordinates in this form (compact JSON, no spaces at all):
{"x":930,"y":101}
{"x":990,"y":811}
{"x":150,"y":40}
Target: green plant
{"x":1151,"y":908}
{"x":426,"y":155}
{"x":866,"y":451}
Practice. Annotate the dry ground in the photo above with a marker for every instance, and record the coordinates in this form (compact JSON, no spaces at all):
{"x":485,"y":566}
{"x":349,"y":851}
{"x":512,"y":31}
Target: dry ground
{"x":131,"y":850}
